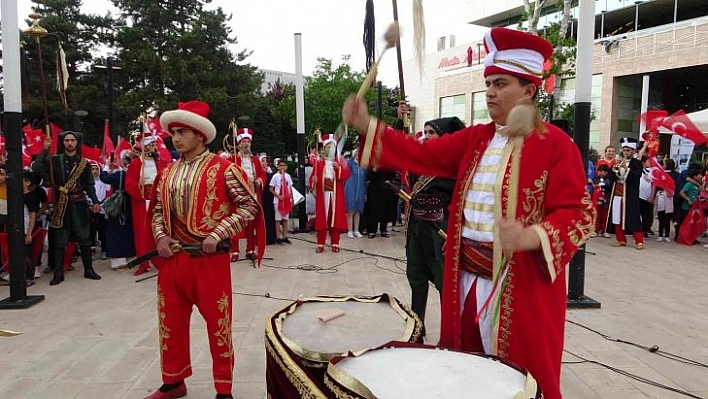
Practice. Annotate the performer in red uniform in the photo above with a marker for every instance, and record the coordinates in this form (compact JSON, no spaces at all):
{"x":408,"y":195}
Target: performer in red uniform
{"x":139,"y":180}
{"x":327,"y":184}
{"x":200,"y":198}
{"x":251,"y":166}
{"x":518,"y":214}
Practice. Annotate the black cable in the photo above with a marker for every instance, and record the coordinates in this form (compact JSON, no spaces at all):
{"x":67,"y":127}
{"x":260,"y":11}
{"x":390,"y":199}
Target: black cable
{"x":630,"y":375}
{"x":652,"y":349}
{"x":266,"y":295}
{"x":307,"y":267}
{"x":360,"y":251}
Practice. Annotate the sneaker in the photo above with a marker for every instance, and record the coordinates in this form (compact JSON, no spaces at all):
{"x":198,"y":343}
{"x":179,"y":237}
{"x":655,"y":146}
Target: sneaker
{"x":287,"y":241}
{"x":358,"y":235}
{"x":593,"y":234}
{"x":279,"y":241}
{"x":606,"y":235}
{"x":350,"y":234}
{"x":667,"y":239}
{"x":660,"y":239}
{"x":705,"y":246}
{"x":103,"y":256}
{"x":38,"y":272}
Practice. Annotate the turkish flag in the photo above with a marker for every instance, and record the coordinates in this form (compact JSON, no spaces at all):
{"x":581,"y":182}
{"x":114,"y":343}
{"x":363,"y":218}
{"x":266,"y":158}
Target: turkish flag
{"x":680,"y":124}
{"x":661,"y":179}
{"x":165,"y":155}
{"x":91,"y":153}
{"x":122,"y":147}
{"x":26,"y":157}
{"x":652,"y":120}
{"x":694,"y":225}
{"x":153,"y":126}
{"x":2,"y":144}
{"x":34,"y":139}
{"x":108,"y":148}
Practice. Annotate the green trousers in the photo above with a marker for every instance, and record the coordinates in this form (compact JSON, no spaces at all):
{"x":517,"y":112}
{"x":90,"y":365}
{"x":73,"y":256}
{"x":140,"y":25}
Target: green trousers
{"x":424,"y":255}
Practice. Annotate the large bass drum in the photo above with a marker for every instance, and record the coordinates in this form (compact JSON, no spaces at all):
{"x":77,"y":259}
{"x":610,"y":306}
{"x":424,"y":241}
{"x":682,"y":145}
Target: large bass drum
{"x":399,"y":370}
{"x":299,"y":345}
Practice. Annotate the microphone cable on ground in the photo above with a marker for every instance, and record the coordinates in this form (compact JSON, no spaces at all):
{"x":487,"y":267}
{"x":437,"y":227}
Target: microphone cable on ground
{"x":630,"y":375}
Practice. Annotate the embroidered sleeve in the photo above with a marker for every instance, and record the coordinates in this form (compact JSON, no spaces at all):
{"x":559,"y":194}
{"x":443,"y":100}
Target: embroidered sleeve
{"x":569,"y":214}
{"x":158,"y":221}
{"x":384,"y":147}
{"x":244,"y":204}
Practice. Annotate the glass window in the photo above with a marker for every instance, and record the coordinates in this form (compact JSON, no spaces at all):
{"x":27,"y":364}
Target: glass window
{"x":453,"y":106}
{"x":480,"y":114}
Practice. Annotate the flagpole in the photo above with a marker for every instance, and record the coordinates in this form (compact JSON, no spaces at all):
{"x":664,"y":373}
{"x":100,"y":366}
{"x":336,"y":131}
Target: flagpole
{"x":37,"y":31}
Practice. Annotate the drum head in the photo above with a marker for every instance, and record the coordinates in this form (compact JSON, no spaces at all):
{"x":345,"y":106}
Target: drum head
{"x":429,"y":373}
{"x":363,"y":326}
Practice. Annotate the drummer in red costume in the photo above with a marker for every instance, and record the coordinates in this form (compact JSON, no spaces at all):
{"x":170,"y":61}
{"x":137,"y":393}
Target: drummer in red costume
{"x":519,"y":193}
{"x":139,"y":180}
{"x":327,"y":183}
{"x":251,"y":166}
{"x":200,"y":198}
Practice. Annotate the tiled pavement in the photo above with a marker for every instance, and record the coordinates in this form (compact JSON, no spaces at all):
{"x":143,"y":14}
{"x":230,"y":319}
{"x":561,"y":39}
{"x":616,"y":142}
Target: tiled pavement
{"x":98,"y":339}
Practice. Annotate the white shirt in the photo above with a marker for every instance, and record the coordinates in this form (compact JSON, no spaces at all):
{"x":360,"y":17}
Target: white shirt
{"x":645,"y":185}
{"x":277,"y":181}
{"x":247,"y":166}
{"x":149,"y":171}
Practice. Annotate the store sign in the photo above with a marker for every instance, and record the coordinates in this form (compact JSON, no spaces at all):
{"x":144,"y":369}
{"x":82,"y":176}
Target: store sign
{"x":469,"y":58}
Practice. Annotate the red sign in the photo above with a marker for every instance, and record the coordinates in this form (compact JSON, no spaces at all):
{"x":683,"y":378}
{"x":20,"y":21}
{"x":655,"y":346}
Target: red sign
{"x":471,"y":57}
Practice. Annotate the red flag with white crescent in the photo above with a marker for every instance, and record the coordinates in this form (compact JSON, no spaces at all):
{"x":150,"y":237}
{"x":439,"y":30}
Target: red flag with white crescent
{"x":661,"y":179}
{"x":681,"y":124}
{"x":694,"y":225}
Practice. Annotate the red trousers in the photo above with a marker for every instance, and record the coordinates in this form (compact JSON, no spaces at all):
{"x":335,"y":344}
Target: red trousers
{"x":601,"y":221}
{"x":334,"y":235}
{"x":621,"y":237}
{"x":204,"y":282}
{"x":250,"y":233}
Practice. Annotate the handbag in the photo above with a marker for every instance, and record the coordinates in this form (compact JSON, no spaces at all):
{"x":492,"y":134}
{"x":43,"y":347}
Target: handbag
{"x":114,"y":206}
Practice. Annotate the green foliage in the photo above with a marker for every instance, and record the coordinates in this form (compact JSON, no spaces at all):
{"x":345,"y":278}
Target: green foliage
{"x":79,"y":34}
{"x":178,"y":51}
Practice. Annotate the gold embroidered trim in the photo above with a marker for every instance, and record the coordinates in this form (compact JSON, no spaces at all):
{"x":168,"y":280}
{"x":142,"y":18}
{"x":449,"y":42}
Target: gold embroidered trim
{"x":223,"y":334}
{"x":184,"y":370}
{"x":487,"y":169}
{"x":534,"y":201}
{"x":479,"y":207}
{"x":546,"y":249}
{"x":556,"y":244}
{"x":368,"y":143}
{"x":505,"y":313}
{"x":518,"y":65}
{"x":487,"y":188}
{"x":163,"y":330}
{"x":481,"y":227}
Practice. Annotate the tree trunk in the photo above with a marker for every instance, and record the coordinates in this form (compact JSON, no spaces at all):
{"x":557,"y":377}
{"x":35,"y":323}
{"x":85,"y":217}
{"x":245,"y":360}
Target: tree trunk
{"x":565,"y":17}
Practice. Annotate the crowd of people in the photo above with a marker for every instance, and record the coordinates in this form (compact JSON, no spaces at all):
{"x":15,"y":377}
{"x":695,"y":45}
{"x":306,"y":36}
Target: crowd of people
{"x":631,"y":196}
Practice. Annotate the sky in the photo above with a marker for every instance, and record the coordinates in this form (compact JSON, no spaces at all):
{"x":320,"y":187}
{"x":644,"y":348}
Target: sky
{"x":329,"y":28}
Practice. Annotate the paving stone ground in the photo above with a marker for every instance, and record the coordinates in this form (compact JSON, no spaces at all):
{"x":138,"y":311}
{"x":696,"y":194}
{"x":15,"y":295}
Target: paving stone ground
{"x":98,"y":339}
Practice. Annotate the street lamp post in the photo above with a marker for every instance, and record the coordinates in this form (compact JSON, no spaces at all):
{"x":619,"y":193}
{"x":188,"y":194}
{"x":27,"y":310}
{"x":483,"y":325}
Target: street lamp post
{"x":109,"y":67}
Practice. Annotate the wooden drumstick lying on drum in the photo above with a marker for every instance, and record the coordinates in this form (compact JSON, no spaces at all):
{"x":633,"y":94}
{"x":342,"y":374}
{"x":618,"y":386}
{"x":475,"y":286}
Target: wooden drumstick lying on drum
{"x":406,"y":197}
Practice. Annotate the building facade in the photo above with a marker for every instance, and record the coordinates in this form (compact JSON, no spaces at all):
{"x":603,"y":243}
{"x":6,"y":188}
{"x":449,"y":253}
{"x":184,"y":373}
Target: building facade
{"x":660,"y":46}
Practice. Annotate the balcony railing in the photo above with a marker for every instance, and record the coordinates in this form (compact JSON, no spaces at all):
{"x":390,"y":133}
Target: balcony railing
{"x":682,"y":35}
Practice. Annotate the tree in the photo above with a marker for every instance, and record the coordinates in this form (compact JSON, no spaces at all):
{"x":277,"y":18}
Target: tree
{"x":532,"y":12}
{"x":79,"y":33}
{"x":175,"y":51}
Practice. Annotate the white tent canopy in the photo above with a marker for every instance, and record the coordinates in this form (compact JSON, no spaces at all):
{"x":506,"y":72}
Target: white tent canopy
{"x":699,"y":118}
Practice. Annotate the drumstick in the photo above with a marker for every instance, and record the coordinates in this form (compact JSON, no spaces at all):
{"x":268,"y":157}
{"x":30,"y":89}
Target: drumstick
{"x":392,"y":35}
{"x":330,"y":314}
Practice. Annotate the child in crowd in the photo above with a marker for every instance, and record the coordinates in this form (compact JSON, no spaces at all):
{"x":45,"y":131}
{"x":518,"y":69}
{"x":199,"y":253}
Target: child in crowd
{"x":603,"y":187}
{"x":281,"y":187}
